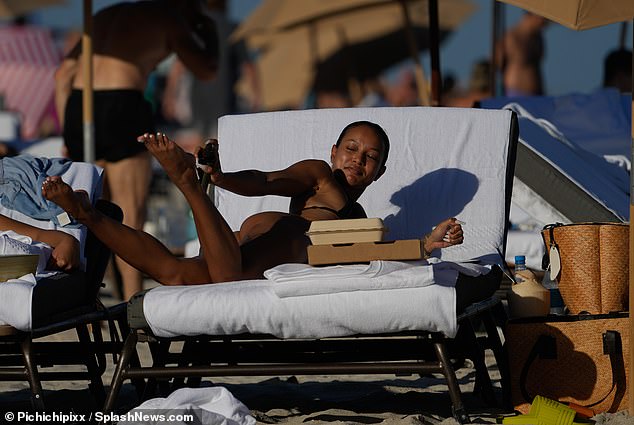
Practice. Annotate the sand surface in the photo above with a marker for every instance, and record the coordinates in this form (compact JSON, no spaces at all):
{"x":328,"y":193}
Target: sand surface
{"x":342,"y":399}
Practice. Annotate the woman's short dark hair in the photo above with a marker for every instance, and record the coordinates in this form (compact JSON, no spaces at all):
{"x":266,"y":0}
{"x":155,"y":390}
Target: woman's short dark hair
{"x":378,"y":130}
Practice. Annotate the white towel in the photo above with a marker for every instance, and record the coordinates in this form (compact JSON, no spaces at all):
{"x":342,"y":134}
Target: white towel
{"x":470,"y":168}
{"x":16,"y":310}
{"x":251,"y":306}
{"x":294,"y":280}
{"x":12,"y":243}
{"x":209,"y":406}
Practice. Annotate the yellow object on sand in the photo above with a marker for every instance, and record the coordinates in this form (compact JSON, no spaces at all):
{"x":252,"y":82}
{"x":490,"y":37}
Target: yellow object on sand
{"x":544,"y":411}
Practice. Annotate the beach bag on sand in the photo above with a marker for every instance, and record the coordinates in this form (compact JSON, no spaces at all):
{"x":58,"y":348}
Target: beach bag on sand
{"x":581,"y":359}
{"x":593,"y":264}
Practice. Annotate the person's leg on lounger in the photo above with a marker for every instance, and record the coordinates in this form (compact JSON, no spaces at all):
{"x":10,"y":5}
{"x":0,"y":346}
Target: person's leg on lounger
{"x":144,"y":252}
{"x":219,"y":244}
{"x":139,"y":249}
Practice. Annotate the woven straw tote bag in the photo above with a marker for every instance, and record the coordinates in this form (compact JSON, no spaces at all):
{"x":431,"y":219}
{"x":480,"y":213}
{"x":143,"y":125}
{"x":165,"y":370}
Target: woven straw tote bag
{"x":594,"y":261}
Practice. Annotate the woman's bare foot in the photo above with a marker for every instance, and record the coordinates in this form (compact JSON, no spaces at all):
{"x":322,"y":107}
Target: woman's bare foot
{"x":75,"y":203}
{"x":179,"y":165}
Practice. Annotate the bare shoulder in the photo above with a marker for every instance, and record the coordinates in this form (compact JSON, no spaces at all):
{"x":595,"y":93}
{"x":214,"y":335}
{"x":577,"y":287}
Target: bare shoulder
{"x":315,"y":167}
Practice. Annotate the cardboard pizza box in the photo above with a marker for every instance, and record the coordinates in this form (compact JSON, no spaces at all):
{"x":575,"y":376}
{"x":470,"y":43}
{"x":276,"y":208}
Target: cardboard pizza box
{"x":327,"y":232}
{"x":362,"y":252}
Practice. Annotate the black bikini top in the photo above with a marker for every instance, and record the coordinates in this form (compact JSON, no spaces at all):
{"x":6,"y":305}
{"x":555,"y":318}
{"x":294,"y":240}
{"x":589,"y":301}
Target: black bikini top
{"x":345,"y":212}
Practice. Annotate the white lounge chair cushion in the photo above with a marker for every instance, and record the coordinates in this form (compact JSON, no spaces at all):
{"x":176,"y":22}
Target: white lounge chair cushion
{"x":443,"y":162}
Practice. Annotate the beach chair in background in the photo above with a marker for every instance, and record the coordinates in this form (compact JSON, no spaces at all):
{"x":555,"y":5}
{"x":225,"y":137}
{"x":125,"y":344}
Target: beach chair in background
{"x":59,"y":303}
{"x":443,"y":163}
{"x":572,"y":164}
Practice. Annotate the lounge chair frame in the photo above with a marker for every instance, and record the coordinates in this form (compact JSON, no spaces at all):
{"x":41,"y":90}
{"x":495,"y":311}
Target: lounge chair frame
{"x":401,"y":353}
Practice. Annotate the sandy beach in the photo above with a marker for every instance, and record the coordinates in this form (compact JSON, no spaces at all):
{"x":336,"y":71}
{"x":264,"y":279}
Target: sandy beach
{"x":342,"y":399}
{"x":364,"y":399}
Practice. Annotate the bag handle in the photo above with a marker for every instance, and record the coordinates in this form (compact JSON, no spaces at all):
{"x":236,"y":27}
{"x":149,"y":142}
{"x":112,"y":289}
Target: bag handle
{"x":551,"y":234}
{"x":546,"y":348}
{"x":613,"y":346}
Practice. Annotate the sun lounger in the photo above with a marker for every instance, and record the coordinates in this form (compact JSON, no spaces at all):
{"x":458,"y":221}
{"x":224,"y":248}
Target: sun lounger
{"x":571,"y":162}
{"x":443,"y":163}
{"x":58,"y":303}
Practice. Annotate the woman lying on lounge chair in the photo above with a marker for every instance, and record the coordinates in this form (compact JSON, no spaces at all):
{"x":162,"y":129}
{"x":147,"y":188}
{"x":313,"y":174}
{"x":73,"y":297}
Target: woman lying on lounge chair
{"x":318,"y":191}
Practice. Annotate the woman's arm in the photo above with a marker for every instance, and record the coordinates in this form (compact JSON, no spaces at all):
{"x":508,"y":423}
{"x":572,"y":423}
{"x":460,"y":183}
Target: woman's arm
{"x":65,"y":255}
{"x":294,"y":180}
{"x":192,"y":35}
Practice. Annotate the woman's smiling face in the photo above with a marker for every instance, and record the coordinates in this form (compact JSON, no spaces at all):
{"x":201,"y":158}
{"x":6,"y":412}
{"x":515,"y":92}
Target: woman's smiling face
{"x":359,"y":156}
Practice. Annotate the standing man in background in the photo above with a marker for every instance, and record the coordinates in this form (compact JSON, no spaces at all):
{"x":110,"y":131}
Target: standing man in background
{"x":520,"y":55}
{"x":129,"y":41}
{"x":196,"y":104}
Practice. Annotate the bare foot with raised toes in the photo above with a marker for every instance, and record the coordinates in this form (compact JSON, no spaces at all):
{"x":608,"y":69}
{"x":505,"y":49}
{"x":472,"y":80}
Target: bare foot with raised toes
{"x":75,"y":203}
{"x":179,"y":165}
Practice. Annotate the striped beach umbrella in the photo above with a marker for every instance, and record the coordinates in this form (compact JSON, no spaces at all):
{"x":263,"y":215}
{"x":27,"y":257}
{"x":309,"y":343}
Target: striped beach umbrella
{"x":28,"y":60}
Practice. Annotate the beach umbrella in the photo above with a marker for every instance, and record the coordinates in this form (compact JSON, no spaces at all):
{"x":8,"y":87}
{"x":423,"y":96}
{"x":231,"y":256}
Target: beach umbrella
{"x":581,"y":15}
{"x":15,"y":8}
{"x":366,"y":60}
{"x":28,"y":60}
{"x":303,"y":34}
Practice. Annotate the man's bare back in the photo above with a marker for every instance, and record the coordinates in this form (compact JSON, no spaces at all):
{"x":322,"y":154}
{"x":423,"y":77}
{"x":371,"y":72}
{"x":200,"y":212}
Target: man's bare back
{"x":131,"y":39}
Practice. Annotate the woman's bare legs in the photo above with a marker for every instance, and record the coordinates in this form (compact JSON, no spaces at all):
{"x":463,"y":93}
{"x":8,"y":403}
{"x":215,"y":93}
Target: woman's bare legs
{"x":218,"y":243}
{"x":136,"y":247}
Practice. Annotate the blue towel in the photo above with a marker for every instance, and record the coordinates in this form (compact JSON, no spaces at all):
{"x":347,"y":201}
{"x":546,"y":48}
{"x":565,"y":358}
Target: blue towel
{"x":21,"y":179}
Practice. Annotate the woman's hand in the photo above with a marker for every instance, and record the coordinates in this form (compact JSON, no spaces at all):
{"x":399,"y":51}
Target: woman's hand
{"x":65,"y":255}
{"x":208,"y":160}
{"x":447,"y":233}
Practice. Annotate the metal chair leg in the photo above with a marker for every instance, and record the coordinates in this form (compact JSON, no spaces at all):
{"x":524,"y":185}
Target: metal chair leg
{"x":129,"y":347}
{"x":495,"y":343}
{"x":32,"y":374}
{"x":96,"y":384}
{"x":483,"y":384}
{"x":458,"y":409}
{"x":159,"y":351}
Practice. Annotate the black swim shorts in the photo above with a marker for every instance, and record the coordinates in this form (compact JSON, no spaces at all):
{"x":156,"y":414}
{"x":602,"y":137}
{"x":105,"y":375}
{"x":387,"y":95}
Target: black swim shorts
{"x":120,"y":116}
